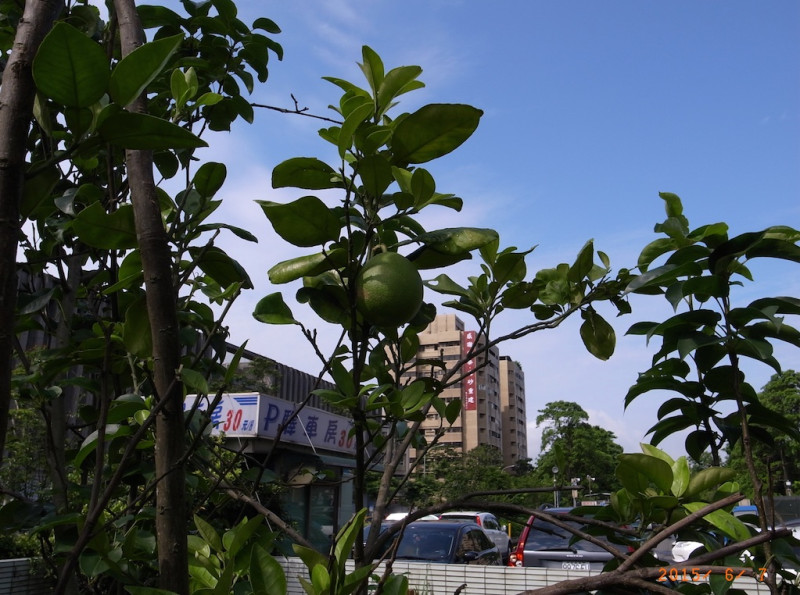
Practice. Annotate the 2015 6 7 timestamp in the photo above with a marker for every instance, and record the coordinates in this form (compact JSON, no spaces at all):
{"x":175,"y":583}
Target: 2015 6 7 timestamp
{"x":680,"y":574}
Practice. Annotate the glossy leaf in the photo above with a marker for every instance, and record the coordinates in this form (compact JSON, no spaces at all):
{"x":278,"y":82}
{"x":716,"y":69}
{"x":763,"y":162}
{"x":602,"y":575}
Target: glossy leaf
{"x":305,"y":172}
{"x":444,"y":284}
{"x":311,"y":558}
{"x":219,"y":266}
{"x":376,"y":174}
{"x":106,"y":231}
{"x":70,"y":68}
{"x":598,"y":335}
{"x":137,"y":335}
{"x":266,"y":573}
{"x":142,"y":131}
{"x":352,"y":121}
{"x":653,"y":250}
{"x":396,"y":82}
{"x":455,"y":241}
{"x":303,"y":266}
{"x":662,"y":275}
{"x":208,"y":533}
{"x":89,"y":444}
{"x":347,"y":536}
{"x":209,"y":178}
{"x":304,"y":222}
{"x":655,"y":470}
{"x":722,"y":520}
{"x":139,"y":68}
{"x":583,"y":263}
{"x":433,"y":131}
{"x":452,"y":411}
{"x":235,"y":539}
{"x":681,"y":476}
{"x":273,"y":310}
{"x":708,"y":479}
{"x":372,"y":67}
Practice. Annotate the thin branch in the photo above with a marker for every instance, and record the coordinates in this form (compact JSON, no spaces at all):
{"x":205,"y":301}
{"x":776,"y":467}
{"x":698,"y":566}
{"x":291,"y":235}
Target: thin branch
{"x":297,"y":111}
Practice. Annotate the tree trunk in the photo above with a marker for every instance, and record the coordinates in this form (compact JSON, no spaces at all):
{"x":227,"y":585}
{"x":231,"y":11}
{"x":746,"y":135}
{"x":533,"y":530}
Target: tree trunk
{"x":161,"y":299}
{"x":16,"y":108}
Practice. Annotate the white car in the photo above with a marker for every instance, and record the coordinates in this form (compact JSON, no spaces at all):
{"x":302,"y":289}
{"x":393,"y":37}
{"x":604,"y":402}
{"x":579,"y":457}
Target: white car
{"x":490,"y":525}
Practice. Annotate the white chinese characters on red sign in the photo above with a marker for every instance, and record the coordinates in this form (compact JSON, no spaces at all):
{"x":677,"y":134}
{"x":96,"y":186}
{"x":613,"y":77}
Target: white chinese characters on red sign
{"x":469,"y":387}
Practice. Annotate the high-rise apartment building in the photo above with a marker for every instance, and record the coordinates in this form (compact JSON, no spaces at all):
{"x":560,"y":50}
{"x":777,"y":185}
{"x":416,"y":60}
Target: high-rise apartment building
{"x":492,"y":393}
{"x":515,"y":422}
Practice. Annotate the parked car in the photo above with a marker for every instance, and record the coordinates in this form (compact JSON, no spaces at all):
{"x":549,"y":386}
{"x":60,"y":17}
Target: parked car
{"x":684,"y":549}
{"x":546,"y":545}
{"x":490,"y":525}
{"x":447,"y":542}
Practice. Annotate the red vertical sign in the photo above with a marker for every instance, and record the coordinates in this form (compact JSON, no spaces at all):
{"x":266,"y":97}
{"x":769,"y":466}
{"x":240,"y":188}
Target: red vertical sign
{"x":469,"y":386}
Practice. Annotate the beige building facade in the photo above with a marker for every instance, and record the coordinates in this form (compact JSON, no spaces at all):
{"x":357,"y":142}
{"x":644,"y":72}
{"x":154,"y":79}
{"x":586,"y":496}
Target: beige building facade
{"x":491,"y":389}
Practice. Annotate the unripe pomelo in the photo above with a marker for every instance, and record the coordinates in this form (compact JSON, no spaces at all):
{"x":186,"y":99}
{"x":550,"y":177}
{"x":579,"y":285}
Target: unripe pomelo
{"x":388,"y":290}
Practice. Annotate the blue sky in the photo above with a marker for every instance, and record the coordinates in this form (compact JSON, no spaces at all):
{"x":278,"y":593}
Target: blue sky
{"x":591,"y":108}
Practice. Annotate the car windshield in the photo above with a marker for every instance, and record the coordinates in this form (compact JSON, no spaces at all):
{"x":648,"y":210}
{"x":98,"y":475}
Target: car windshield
{"x":426,"y":544}
{"x":547,"y":536}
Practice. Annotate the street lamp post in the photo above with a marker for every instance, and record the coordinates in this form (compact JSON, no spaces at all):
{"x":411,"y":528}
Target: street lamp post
{"x":555,"y":491}
{"x":575,"y":481}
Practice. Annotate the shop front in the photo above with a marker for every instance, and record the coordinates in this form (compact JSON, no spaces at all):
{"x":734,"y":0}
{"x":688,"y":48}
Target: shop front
{"x":311,"y":453}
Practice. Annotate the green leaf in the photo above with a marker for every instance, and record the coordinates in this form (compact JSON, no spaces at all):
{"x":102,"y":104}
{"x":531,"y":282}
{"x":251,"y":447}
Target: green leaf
{"x":194,"y":381}
{"x":343,"y":545}
{"x":136,"y":333}
{"x":583,"y":263}
{"x":355,"y":116}
{"x":209,"y":178}
{"x":125,"y":406}
{"x":653,"y":469}
{"x":722,"y":520}
{"x":266,"y":573}
{"x":598,"y":336}
{"x":208,"y":533}
{"x":106,"y":231}
{"x":396,"y":82}
{"x":708,"y":479}
{"x":662,"y":275}
{"x":138,"y":69}
{"x":444,"y":284}
{"x":235,"y":539}
{"x":36,"y":194}
{"x":273,"y":310}
{"x":267,"y":25}
{"x":376,"y":174}
{"x":310,"y":558}
{"x":142,"y":131}
{"x":452,"y":411}
{"x":447,"y":246}
{"x":305,"y":172}
{"x":304,"y":222}
{"x":129,"y":273}
{"x":320,"y":579}
{"x":70,"y":68}
{"x":223,"y":269}
{"x":372,"y":67}
{"x":681,"y":476}
{"x":89,"y":444}
{"x":303,"y":266}
{"x":433,"y":131}
{"x":32,"y":303}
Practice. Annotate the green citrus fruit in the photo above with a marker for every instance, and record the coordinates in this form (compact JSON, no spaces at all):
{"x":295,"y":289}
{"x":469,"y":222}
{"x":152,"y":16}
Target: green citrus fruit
{"x":388,"y":290}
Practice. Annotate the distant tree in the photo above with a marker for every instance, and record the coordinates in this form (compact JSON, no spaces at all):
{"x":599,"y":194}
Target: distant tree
{"x":777,"y":455}
{"x":577,"y":448}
